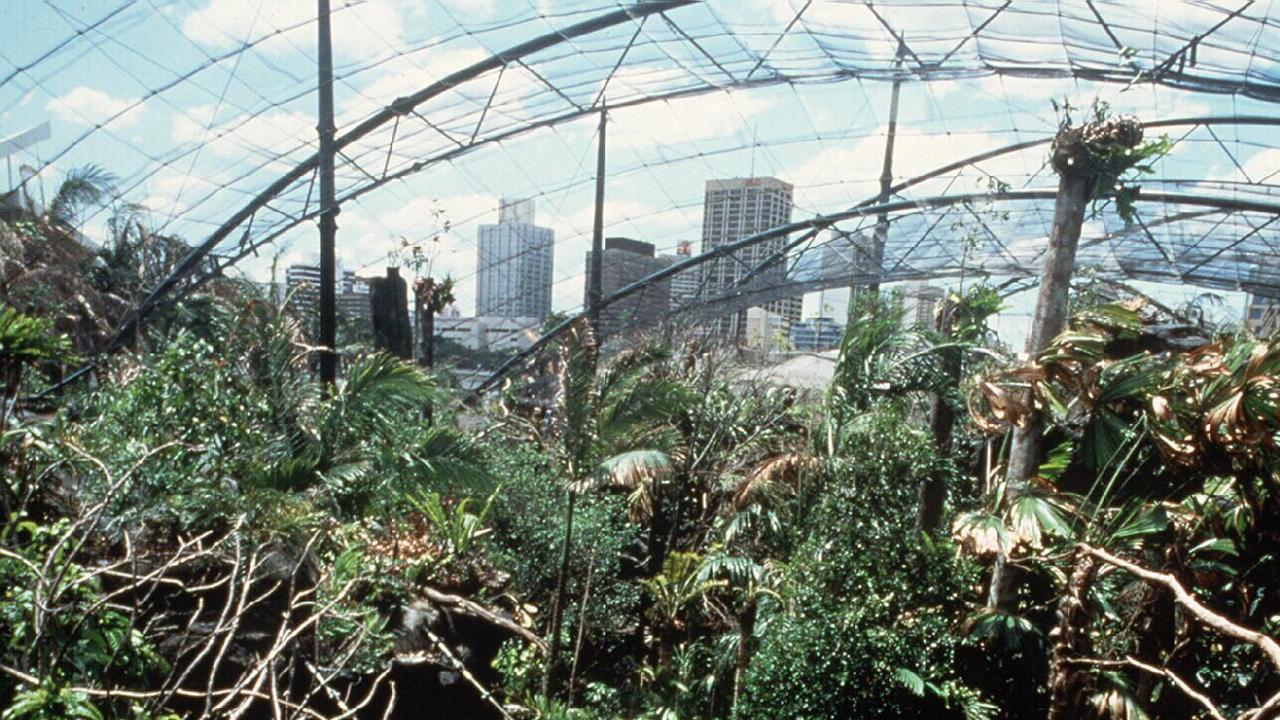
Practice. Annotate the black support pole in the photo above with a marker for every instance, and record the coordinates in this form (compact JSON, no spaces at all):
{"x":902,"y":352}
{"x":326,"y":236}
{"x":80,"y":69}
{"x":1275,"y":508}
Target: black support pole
{"x":329,"y":208}
{"x":881,"y":236}
{"x":595,"y":283}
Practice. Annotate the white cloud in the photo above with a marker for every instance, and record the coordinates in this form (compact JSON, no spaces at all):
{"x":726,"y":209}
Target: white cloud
{"x":718,"y":114}
{"x":405,"y":74}
{"x":760,"y":11}
{"x":626,"y":216}
{"x":362,"y":29}
{"x":833,"y":177}
{"x":91,"y":106}
{"x":368,"y":239}
{"x":469,"y":9}
{"x":1264,"y":167}
{"x":171,"y":192}
{"x":239,"y":136}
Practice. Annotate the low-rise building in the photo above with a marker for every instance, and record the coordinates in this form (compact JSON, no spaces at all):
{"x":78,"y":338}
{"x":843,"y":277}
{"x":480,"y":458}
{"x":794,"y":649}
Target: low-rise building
{"x":766,"y":330}
{"x":494,"y":334}
{"x":814,"y":334}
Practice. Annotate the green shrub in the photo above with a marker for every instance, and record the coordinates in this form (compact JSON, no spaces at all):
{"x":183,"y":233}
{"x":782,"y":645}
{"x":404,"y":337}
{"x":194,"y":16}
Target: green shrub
{"x":868,"y":597}
{"x":528,"y":522}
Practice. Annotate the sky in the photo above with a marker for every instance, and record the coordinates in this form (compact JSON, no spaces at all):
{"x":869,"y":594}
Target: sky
{"x":165,"y":95}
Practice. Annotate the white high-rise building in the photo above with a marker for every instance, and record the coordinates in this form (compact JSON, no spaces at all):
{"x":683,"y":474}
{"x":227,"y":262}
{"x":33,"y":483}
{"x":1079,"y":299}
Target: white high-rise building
{"x":732,"y":210}
{"x":514,"y":265}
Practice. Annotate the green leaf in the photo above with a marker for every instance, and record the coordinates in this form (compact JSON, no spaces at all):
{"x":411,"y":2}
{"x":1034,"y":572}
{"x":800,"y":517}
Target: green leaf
{"x":910,"y":680}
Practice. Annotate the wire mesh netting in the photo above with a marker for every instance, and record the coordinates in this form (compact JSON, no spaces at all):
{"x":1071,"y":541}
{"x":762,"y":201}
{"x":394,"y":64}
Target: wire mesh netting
{"x":205,"y":111}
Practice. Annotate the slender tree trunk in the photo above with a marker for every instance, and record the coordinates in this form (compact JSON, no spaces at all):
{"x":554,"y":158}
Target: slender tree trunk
{"x":1051,"y":312}
{"x":942,"y":423}
{"x":428,"y":326}
{"x":419,"y":314}
{"x":1050,"y":320}
{"x":582,"y":626}
{"x":746,"y":631}
{"x":1068,"y":685}
{"x":558,"y":601}
{"x":429,"y":338}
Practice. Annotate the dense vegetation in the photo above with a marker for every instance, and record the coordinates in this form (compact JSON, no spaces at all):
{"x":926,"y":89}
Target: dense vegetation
{"x":205,"y":532}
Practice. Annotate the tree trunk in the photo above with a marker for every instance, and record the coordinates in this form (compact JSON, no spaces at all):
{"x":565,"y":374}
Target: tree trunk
{"x":558,"y":601}
{"x":942,"y":423}
{"x":1051,"y":312}
{"x":419,"y":316}
{"x":1068,"y":684}
{"x":429,"y":338}
{"x":746,"y":631}
{"x":582,"y":628}
{"x":1050,"y":320}
{"x":389,"y":299}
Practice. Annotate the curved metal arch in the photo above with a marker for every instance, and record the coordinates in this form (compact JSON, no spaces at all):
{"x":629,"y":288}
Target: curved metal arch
{"x":745,"y":295}
{"x":866,"y":208}
{"x":401,"y":106}
{"x":251,"y":247}
{"x":192,"y":262}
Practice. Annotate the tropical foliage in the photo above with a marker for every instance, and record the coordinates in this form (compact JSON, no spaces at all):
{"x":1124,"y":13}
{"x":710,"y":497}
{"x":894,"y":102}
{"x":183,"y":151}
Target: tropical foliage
{"x":205,"y":531}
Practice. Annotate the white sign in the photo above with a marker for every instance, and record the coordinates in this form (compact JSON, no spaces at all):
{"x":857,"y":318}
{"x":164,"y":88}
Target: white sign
{"x":24,"y":140}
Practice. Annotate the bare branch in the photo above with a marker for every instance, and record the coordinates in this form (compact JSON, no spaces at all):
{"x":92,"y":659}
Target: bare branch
{"x":1265,"y":643}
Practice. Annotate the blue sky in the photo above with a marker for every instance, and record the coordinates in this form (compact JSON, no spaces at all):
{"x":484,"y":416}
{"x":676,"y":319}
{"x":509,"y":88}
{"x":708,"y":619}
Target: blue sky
{"x":178,"y":148}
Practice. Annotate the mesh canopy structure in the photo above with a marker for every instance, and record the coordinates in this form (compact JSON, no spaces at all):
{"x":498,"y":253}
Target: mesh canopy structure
{"x":465,"y":102}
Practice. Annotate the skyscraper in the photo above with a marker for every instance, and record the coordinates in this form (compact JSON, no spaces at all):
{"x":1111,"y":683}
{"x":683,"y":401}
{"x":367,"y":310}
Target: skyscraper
{"x":732,"y":210}
{"x":515,"y":264}
{"x":626,"y":261}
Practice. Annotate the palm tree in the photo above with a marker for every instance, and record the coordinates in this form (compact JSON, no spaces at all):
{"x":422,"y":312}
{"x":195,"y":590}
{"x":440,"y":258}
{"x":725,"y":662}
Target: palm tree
{"x":961,"y":326}
{"x":682,"y":582}
{"x":881,"y":356}
{"x":43,"y":259}
{"x":609,"y":430}
{"x":748,"y":580}
{"x":82,"y":187}
{"x":330,"y":444}
{"x":430,"y":298}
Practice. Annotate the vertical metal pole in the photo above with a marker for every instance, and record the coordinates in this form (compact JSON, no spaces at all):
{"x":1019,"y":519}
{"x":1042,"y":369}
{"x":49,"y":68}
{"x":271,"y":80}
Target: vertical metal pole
{"x":328,"y":206}
{"x":886,"y":180}
{"x":595,"y":284}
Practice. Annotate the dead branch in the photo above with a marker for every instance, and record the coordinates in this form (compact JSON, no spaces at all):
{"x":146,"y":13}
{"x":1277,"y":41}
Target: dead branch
{"x":463,"y":606}
{"x":1265,"y":643}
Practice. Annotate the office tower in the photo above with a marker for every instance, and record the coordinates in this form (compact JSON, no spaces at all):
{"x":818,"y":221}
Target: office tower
{"x":684,"y":285}
{"x":732,"y":210}
{"x":514,"y":264}
{"x":302,"y":283}
{"x":353,"y":299}
{"x":625,"y":261}
{"x":302,"y":290}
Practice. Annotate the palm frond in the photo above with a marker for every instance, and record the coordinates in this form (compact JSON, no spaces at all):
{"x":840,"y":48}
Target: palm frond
{"x":640,"y":472}
{"x":84,"y":186}
{"x":25,"y":339}
{"x":773,"y":479}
